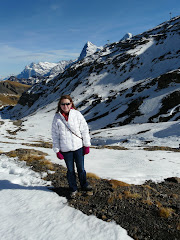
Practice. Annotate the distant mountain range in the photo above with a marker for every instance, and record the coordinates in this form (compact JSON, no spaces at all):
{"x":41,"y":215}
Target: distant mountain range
{"x":36,"y":72}
{"x":135,"y":80}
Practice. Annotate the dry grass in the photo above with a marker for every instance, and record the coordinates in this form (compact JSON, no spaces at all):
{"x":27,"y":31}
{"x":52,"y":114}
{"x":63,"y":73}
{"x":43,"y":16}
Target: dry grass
{"x":110,"y":147}
{"x":49,"y":164}
{"x":150,"y":188}
{"x":158,"y":204}
{"x":39,"y":144}
{"x":17,"y":84}
{"x":116,"y":183}
{"x":165,"y":212}
{"x":92,"y":175}
{"x":147,"y":190}
{"x":115,"y":147}
{"x":175,"y":196}
{"x":148,"y":199}
{"x":148,"y":202}
{"x":128,"y":194}
{"x":8,"y":99}
{"x":31,"y":155}
{"x":40,"y":158}
{"x":161,"y":148}
{"x":31,"y":158}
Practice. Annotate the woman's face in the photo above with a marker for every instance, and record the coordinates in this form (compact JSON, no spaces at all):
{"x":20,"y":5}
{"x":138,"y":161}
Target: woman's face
{"x":66,"y":105}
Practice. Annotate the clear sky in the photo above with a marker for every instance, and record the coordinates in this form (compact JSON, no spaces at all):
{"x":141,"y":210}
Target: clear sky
{"x":54,"y":30}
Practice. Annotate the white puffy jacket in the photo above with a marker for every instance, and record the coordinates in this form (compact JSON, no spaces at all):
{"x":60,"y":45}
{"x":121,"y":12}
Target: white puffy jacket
{"x":63,"y":139}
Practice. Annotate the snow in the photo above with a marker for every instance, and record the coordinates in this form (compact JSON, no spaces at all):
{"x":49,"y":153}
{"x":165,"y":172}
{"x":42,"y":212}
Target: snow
{"x":40,"y":68}
{"x":127,"y":36}
{"x":29,"y":210}
{"x":88,"y":49}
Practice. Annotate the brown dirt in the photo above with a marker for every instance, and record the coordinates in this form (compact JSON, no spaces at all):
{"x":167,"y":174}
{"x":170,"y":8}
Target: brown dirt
{"x":150,"y":211}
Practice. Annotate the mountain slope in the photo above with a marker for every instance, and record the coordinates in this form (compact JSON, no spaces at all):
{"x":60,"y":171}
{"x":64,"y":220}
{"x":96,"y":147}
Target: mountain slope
{"x":10,"y":92}
{"x":36,"y":69}
{"x":130,"y":81}
{"x":36,"y":72}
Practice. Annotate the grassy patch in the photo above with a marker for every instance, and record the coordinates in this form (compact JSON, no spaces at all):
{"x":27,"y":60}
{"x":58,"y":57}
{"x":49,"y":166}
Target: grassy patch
{"x":129,"y":194}
{"x":92,"y":175}
{"x":8,"y":99}
{"x":110,"y":147}
{"x":165,"y":212}
{"x":32,"y":157}
{"x":115,"y":183}
{"x":39,"y":144}
{"x":161,"y":148}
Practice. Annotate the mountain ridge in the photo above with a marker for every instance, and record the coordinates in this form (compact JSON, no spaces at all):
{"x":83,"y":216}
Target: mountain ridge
{"x":35,"y":72}
{"x":131,"y":81}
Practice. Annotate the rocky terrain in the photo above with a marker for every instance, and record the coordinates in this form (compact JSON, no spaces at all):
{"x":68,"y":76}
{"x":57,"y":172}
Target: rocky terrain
{"x":149,"y":211}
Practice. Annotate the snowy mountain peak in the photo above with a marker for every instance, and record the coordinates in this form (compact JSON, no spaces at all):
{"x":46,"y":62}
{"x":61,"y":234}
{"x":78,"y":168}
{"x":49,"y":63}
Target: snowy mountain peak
{"x":88,"y":49}
{"x":127,"y":36}
{"x":127,"y":82}
{"x":36,"y":69}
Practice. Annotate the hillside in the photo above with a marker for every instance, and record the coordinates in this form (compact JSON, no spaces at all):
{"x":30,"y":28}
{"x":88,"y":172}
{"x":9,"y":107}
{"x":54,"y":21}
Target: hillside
{"x":10,"y":92}
{"x":131,"y":81}
{"x":129,"y":93}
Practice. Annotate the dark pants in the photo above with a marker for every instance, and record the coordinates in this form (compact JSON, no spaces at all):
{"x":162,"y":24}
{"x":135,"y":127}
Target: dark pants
{"x":78,"y":158}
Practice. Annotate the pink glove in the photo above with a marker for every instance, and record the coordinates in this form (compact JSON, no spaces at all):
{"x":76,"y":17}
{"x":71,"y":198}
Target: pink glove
{"x":59,"y":155}
{"x":86,"y":150}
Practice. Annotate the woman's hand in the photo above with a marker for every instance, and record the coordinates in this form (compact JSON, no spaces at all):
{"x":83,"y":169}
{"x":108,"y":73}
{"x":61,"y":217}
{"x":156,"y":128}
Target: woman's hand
{"x":86,"y":150}
{"x":59,"y":155}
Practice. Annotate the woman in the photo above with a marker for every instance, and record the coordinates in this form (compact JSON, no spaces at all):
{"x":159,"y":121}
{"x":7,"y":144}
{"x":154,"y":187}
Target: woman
{"x":71,"y":141}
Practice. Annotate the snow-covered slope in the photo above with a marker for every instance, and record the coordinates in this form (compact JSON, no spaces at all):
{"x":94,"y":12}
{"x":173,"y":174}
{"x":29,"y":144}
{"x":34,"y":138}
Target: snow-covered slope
{"x":131,"y":81}
{"x":60,"y":67}
{"x":36,"y":69}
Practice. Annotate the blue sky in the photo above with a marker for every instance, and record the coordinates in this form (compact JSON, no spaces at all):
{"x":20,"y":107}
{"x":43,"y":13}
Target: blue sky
{"x":54,"y":30}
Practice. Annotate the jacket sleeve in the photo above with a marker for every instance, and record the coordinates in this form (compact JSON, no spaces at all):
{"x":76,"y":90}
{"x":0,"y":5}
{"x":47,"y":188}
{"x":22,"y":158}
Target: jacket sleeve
{"x":55,"y":135}
{"x":84,"y":129}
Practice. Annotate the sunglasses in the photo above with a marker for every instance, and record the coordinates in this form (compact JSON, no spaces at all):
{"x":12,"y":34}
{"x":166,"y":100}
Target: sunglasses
{"x":67,"y":104}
